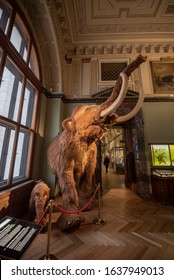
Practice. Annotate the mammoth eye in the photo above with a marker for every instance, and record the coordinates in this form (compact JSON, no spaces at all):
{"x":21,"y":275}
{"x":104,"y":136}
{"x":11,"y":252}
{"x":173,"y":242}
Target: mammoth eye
{"x":36,"y":194}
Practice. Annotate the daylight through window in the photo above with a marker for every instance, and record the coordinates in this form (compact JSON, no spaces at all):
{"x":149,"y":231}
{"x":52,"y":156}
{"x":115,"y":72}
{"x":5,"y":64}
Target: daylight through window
{"x":19,"y":90}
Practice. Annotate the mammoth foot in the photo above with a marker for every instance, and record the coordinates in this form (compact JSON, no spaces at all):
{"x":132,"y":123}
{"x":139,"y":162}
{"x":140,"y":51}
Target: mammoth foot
{"x":69,"y":221}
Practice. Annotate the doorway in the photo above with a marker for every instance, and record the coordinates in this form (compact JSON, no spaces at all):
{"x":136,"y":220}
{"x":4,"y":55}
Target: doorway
{"x":127,"y":142}
{"x":113,"y":148}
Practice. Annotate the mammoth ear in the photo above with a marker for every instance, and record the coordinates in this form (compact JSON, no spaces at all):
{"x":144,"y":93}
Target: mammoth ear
{"x":68,"y":124}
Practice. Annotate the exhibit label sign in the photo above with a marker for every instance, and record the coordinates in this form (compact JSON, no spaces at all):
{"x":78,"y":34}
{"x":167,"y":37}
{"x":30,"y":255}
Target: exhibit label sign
{"x":15,"y":236}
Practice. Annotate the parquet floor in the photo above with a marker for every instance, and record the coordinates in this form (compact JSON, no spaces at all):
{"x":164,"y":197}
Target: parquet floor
{"x":135,"y":229}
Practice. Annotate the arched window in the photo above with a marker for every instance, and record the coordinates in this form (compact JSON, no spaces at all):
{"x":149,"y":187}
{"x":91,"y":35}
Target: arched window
{"x":19,"y":93}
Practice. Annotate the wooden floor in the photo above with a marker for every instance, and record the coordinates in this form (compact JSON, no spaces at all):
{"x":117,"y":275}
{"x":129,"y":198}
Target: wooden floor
{"x":135,"y":229}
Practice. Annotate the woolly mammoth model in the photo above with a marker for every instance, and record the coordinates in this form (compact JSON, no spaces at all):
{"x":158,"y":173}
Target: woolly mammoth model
{"x":72,"y":154}
{"x":38,"y":200}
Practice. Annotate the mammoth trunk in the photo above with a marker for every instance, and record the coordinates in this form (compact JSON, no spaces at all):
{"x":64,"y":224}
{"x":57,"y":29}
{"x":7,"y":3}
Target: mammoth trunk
{"x":40,"y":208}
{"x":38,"y":200}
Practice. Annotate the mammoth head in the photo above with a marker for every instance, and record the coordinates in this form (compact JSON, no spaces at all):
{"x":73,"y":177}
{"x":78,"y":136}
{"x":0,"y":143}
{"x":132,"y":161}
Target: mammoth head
{"x":91,"y":120}
{"x":38,"y":200}
{"x":82,"y":122}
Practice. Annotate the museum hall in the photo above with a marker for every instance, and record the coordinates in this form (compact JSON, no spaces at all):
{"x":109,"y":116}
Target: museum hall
{"x":86,"y":129}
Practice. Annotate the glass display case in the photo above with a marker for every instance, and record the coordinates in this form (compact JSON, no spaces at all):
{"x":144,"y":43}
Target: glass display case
{"x":119,"y":160}
{"x":162,"y":154}
{"x":162,"y":172}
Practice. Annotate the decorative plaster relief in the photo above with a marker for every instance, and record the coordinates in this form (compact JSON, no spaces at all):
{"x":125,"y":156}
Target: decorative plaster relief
{"x":125,"y":49}
{"x":94,"y":76}
{"x":97,"y":17}
{"x":76,"y":84}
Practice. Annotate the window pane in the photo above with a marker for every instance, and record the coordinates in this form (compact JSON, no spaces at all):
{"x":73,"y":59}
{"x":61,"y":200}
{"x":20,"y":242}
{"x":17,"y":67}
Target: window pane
{"x":28,"y":103}
{"x":2,"y":152}
{"x":17,"y":95}
{"x":9,"y":154}
{"x":6,"y":92}
{"x":2,"y":133}
{"x":10,"y":92}
{"x":21,"y":156}
{"x":20,"y":38}
{"x":0,"y":54}
{"x":5,"y":11}
{"x":33,"y":64}
{"x":16,"y":38}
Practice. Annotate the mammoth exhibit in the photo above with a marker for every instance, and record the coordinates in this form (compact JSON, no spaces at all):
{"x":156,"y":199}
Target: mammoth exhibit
{"x":86,"y":133}
{"x":72,"y":154}
{"x":38,"y":201}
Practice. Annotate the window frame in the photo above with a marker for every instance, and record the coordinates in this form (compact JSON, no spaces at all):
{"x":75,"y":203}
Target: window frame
{"x":4,"y":19}
{"x":8,"y":51}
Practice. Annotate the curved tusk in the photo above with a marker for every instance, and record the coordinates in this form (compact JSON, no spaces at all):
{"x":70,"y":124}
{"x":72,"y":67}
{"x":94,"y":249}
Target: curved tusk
{"x":133,"y":112}
{"x":119,"y":99}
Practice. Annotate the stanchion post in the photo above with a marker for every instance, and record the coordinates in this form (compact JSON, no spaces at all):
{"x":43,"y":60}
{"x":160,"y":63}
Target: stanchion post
{"x":49,"y":256}
{"x":99,"y":221}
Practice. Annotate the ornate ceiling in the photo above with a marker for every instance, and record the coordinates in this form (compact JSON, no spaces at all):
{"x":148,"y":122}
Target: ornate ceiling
{"x":111,"y":20}
{"x":86,"y":23}
{"x":89,"y":27}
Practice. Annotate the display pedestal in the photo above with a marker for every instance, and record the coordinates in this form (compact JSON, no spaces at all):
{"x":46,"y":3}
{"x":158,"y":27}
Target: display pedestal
{"x":163,"y":188}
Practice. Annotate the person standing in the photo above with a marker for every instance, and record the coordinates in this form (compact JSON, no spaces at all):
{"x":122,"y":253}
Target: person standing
{"x":106,"y":163}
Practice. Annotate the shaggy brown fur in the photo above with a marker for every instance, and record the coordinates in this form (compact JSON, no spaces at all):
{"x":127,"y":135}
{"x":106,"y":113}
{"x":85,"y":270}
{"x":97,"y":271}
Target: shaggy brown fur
{"x":72,"y":157}
{"x":38,"y":200}
{"x":72,"y":154}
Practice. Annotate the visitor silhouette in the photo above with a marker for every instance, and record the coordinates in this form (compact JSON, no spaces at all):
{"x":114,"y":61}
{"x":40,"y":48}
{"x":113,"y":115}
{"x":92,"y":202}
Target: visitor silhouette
{"x":106,"y":163}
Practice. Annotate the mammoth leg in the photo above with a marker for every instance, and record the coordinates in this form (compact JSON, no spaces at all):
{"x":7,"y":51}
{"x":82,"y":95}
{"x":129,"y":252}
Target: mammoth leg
{"x":85,"y":190}
{"x":69,"y":202}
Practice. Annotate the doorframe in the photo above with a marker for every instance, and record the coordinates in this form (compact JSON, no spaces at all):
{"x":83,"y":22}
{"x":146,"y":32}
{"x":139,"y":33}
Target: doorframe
{"x":136,"y":170}
{"x":135,"y":157}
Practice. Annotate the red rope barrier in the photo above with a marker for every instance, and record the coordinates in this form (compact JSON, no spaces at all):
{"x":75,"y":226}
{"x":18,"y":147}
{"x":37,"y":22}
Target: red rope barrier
{"x":70,"y":212}
{"x":80,"y":210}
{"x":41,"y":218}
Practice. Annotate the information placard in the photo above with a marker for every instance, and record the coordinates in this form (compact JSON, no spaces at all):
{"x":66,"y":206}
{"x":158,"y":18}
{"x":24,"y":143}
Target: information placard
{"x":16,"y":236}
